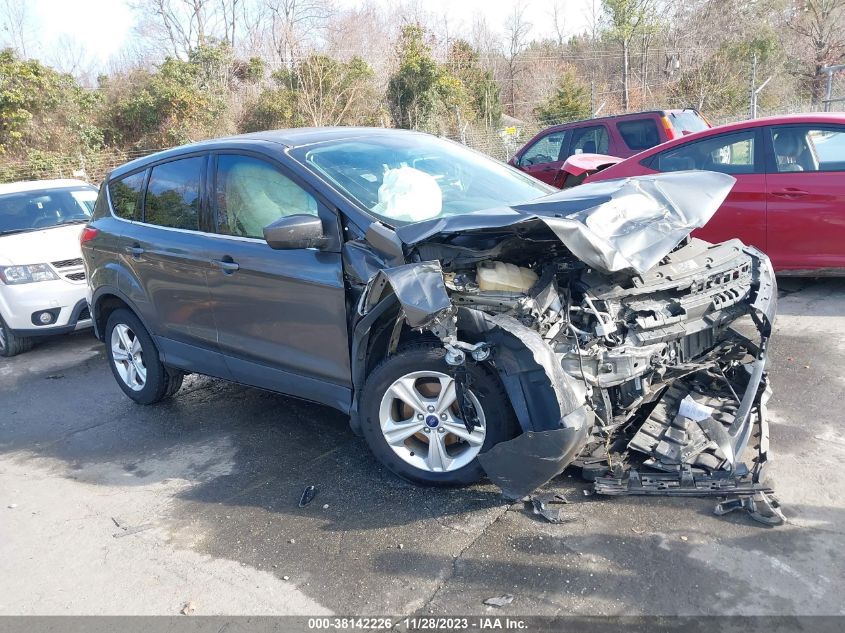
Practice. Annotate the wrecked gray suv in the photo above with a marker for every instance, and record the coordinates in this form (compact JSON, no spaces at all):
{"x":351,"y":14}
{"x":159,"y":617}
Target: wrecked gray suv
{"x":469,"y":319}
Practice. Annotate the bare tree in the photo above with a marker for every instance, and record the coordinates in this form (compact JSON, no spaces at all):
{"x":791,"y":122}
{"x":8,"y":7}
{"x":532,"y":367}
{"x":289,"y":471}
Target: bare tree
{"x":293,"y":22}
{"x":820,"y":26}
{"x":179,"y":25}
{"x":517,"y":29}
{"x":627,"y":19}
{"x":16,"y":25}
{"x":229,"y":14}
{"x":558,"y":22}
{"x":70,"y":55}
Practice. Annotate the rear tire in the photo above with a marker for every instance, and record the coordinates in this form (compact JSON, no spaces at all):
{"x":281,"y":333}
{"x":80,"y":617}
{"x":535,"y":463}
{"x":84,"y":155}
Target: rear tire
{"x":10,"y":343}
{"x":134,"y":360}
{"x":410,"y":453}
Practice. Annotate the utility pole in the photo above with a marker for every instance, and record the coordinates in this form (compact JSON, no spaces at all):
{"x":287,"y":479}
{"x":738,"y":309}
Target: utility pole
{"x":755,"y":89}
{"x":752,"y":97}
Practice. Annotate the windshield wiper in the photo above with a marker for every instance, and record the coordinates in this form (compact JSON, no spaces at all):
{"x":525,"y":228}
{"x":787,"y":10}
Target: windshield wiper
{"x":12,"y":231}
{"x":71,"y":221}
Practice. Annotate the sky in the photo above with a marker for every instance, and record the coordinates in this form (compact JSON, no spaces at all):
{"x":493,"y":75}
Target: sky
{"x":102,"y":27}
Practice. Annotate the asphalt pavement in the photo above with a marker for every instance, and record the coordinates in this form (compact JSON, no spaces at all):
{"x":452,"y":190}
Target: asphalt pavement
{"x":107,"y":507}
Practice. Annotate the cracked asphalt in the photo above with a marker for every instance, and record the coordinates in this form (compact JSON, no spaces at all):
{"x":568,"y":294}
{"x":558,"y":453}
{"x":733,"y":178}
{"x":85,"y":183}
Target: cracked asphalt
{"x":111,"y":508}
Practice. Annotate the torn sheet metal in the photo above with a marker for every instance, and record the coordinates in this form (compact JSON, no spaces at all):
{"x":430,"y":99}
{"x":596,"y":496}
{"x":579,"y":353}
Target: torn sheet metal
{"x":419,"y":288}
{"x":614,"y":225}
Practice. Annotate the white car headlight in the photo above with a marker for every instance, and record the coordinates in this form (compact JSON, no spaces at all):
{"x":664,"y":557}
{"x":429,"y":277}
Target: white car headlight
{"x":26,"y":274}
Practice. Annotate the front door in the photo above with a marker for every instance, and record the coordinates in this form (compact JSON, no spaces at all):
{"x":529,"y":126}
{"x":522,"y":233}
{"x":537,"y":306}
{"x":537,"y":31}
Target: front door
{"x":805,"y":188}
{"x":281,"y":314}
{"x":543,"y":159}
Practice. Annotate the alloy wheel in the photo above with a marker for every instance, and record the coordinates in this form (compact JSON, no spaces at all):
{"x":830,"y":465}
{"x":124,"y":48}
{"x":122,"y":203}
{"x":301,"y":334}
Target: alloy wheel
{"x":421,"y":421}
{"x":128,"y":357}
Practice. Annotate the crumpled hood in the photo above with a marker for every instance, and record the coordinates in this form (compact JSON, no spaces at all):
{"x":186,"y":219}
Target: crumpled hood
{"x":614,"y":225}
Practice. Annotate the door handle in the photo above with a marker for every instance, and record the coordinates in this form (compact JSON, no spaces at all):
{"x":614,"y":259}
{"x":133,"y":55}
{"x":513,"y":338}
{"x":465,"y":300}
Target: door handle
{"x":227,"y":265}
{"x":790,"y":192}
{"x":135,"y":250}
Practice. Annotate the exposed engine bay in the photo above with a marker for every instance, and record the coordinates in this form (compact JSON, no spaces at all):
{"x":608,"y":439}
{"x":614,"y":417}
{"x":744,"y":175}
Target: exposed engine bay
{"x":614,"y":338}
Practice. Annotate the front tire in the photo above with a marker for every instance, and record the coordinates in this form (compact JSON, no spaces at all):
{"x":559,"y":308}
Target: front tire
{"x":134,"y":360}
{"x":412,"y":421}
{"x":11,"y":344}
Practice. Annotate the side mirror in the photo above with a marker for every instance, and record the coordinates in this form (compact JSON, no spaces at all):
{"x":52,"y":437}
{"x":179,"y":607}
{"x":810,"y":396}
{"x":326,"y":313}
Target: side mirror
{"x":296,"y":231}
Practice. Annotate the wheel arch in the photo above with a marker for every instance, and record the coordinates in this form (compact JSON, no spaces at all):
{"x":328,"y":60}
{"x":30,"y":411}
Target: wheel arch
{"x":104,"y":302}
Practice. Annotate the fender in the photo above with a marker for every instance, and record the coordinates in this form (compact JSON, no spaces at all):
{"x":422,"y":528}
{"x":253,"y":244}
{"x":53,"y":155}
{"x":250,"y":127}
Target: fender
{"x":116,"y":292}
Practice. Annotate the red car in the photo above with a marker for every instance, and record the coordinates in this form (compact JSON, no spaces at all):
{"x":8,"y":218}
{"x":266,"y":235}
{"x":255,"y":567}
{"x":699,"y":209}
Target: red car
{"x":789,"y":197}
{"x":623,"y":136}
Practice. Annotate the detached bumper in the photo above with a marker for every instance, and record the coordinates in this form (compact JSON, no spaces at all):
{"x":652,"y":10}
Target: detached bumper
{"x":522,"y":464}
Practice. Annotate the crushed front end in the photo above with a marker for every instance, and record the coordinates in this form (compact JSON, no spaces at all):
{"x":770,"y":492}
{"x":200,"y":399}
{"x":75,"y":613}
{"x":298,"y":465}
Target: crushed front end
{"x":625,"y":347}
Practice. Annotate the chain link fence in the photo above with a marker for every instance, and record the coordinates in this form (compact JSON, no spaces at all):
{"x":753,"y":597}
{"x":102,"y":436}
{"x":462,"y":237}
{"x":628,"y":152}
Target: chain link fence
{"x":834,"y":99}
{"x":500,"y":142}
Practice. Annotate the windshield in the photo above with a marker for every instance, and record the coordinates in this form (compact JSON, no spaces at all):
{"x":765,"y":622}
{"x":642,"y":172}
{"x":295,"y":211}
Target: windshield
{"x":405,"y":178}
{"x":687,"y":121}
{"x":44,"y":208}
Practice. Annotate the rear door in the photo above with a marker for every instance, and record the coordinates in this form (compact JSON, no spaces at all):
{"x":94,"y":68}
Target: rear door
{"x":281,"y":314}
{"x":805,"y":189}
{"x":544,"y":158}
{"x":169,"y":253}
{"x":588,"y":139}
{"x":740,"y":154}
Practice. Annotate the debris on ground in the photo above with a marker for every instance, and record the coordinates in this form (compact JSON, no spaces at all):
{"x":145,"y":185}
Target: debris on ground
{"x":325,"y":506}
{"x":188,"y":608}
{"x":540,"y":506}
{"x":307,"y":496}
{"x":127,"y":530}
{"x":55,"y":376}
{"x":292,"y":541}
{"x":499,"y":601}
{"x":12,"y":506}
{"x":285,"y":577}
{"x":768,"y":511}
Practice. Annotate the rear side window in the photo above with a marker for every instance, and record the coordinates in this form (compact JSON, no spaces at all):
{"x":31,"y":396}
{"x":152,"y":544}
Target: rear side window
{"x":808,"y":148}
{"x":173,"y":195}
{"x":639,"y":134}
{"x":125,"y":193}
{"x":589,"y":140}
{"x":546,"y":150}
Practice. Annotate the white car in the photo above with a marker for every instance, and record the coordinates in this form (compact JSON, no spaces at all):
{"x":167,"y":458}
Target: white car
{"x":42,"y":278}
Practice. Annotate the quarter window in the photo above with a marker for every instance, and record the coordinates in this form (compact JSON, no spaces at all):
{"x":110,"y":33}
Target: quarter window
{"x":805,"y":148}
{"x":173,"y":195}
{"x":124,"y":193}
{"x":728,"y":154}
{"x":546,"y":150}
{"x":639,"y":134}
{"x":251,"y":193}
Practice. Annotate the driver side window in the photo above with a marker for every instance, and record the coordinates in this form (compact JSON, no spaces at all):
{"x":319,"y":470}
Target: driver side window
{"x":546,"y":150}
{"x":251,"y":193}
{"x":727,"y":153}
